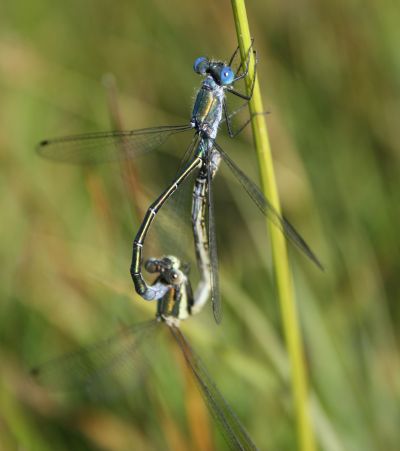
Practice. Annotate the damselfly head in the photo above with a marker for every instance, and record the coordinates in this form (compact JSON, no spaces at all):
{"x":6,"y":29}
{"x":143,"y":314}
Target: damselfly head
{"x":170,"y":270}
{"x":168,"y":267}
{"x":220,"y":72}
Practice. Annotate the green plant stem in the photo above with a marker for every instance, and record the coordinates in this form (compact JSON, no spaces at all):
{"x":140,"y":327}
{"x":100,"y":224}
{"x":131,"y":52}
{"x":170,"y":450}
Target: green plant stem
{"x":278,"y":243}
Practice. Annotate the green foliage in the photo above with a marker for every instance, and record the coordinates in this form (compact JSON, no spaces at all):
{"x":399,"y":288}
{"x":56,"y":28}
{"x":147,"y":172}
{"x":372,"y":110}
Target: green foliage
{"x":331,"y":75}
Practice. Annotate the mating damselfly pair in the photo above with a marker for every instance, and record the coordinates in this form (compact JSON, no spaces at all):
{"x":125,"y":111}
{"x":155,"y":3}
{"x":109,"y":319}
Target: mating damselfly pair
{"x":172,"y":289}
{"x":202,"y":156}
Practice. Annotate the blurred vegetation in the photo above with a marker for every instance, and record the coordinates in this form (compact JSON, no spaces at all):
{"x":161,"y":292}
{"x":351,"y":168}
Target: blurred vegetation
{"x":331,"y":76}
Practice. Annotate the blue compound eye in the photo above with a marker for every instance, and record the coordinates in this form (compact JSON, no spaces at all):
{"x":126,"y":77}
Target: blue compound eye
{"x":200,"y":65}
{"x":226,"y":75}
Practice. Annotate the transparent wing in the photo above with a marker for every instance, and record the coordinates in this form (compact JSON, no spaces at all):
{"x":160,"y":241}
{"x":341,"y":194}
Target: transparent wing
{"x":267,"y":209}
{"x":171,"y":230}
{"x":212,"y":240}
{"x":97,"y":369}
{"x":233,"y":431}
{"x":107,"y":146}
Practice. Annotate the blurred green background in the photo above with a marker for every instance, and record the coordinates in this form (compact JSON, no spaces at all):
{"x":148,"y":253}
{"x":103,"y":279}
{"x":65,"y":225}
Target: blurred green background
{"x":330,"y":73}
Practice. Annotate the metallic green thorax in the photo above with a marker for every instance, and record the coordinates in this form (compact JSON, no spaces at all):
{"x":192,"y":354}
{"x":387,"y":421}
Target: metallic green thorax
{"x":175,"y":303}
{"x":208,"y":108}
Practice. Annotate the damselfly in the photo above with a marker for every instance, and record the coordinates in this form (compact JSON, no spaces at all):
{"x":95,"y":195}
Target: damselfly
{"x":203,"y":155}
{"x":90,"y":368}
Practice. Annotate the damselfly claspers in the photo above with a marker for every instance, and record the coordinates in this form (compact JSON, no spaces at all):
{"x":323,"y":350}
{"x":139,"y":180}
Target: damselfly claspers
{"x":203,"y":155}
{"x":89,"y":370}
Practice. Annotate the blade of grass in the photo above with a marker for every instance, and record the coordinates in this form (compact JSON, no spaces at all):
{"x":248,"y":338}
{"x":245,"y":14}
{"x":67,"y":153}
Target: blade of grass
{"x":290,"y":319}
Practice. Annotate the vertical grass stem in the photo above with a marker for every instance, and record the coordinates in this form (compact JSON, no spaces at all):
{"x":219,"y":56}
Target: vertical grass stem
{"x":306,"y":441}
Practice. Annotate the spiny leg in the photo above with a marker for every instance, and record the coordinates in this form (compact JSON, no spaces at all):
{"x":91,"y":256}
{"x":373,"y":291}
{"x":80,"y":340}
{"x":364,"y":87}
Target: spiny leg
{"x":246,"y":68}
{"x":228,"y":116}
{"x":244,"y":74}
{"x":233,"y":57}
{"x":239,"y":68}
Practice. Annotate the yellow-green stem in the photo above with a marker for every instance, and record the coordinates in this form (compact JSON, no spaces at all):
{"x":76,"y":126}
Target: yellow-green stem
{"x":278,"y":243}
